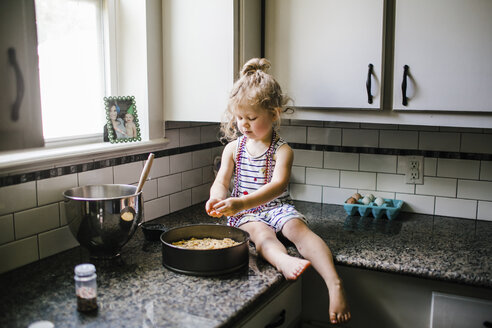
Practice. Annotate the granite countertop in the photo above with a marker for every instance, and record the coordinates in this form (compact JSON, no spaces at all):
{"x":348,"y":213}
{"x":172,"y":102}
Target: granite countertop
{"x":137,"y":291}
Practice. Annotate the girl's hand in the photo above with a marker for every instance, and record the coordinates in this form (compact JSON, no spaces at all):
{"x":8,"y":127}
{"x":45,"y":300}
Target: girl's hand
{"x":229,"y":206}
{"x":209,"y":207}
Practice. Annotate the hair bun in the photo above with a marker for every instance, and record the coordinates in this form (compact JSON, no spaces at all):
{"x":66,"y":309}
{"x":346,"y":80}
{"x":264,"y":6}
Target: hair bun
{"x":255,"y":64}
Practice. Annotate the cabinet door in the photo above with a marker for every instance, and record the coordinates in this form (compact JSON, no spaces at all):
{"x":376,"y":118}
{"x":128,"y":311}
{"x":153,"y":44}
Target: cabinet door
{"x":447,"y":46}
{"x":198,"y":58}
{"x":20,"y":102}
{"x":321,"y":49}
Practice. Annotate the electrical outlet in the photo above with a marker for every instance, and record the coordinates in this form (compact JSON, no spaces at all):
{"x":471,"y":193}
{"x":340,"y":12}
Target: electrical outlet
{"x":415,"y":170}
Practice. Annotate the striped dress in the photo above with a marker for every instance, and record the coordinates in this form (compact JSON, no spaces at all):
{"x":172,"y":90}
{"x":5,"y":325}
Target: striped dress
{"x":252,"y":176}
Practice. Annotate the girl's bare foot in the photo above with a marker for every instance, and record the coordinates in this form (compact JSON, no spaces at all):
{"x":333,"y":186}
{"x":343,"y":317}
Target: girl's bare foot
{"x":291,"y":267}
{"x":339,"y":311}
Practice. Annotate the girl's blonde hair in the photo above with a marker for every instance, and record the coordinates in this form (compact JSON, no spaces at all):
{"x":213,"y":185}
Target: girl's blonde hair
{"x":255,"y":87}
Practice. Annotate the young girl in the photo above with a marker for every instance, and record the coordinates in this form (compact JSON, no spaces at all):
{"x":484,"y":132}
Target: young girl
{"x":261,"y":163}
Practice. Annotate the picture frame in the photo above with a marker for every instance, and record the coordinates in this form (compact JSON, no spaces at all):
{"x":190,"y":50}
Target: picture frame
{"x":122,"y":119}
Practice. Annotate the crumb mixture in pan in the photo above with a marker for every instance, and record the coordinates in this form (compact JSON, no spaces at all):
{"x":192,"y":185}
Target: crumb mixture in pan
{"x":206,"y":243}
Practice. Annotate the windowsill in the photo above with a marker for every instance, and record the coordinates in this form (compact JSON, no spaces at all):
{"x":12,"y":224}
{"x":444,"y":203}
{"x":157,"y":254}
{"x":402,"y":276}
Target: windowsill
{"x":30,"y":160}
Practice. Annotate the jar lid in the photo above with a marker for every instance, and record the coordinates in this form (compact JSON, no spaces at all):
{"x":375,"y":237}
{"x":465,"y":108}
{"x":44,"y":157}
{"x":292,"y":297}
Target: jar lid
{"x":42,"y":324}
{"x":85,"y":269}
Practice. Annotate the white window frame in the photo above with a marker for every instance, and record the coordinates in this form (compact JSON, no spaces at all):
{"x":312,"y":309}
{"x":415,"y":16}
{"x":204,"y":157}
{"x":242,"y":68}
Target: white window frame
{"x":135,"y":55}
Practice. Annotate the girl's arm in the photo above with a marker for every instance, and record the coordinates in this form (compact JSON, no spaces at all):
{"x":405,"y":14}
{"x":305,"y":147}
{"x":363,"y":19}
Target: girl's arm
{"x":268,"y":192}
{"x":220,"y":187}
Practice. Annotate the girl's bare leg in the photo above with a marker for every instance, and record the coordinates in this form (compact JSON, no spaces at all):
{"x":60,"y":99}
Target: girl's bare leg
{"x":313,"y":248}
{"x":268,"y":246}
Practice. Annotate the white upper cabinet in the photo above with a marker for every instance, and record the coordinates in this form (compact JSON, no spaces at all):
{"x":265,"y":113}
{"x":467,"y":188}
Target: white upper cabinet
{"x":321,"y":51}
{"x":20,"y":102}
{"x":199,"y":54}
{"x":447,"y":46}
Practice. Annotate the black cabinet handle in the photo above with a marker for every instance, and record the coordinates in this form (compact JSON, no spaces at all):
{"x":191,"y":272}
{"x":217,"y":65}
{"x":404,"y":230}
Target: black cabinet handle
{"x":404,"y":85}
{"x":277,"y":321}
{"x":14,"y":116}
{"x":368,"y":83}
{"x":487,"y":324}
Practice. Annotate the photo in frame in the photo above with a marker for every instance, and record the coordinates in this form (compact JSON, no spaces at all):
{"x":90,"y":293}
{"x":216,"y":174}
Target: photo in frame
{"x":122,"y":120}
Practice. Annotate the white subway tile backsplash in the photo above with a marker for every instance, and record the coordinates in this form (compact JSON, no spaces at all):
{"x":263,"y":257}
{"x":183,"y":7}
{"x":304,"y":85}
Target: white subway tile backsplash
{"x":200,"y":193}
{"x":17,"y":197}
{"x":378,"y":126}
{"x":149,"y":190}
{"x":454,"y":207}
{"x":476,"y":143}
{"x":358,"y":180}
{"x":209,"y":133}
{"x":180,"y":163}
{"x":51,"y":190}
{"x":437,"y":187}
{"x":324,"y":136}
{"x":486,"y":170}
{"x":169,"y":185}
{"x":201,"y":158}
{"x":160,"y":167}
{"x":480,"y":190}
{"x":394,"y":183}
{"x":192,"y":178}
{"x":208,"y":174}
{"x":36,"y":220}
{"x":189,"y":136}
{"x":18,"y":253}
{"x":180,"y":200}
{"x":439,"y":141}
{"x":360,"y":138}
{"x":458,"y":168}
{"x":378,"y":163}
{"x":6,"y":228}
{"x":430,"y":166}
{"x":398,"y":139}
{"x":298,"y":174}
{"x":56,"y":241}
{"x":348,"y":125}
{"x":296,"y":134}
{"x":417,"y":203}
{"x":337,"y":160}
{"x":94,"y":177}
{"x":336,"y":195}
{"x":418,"y":127}
{"x":305,"y":192}
{"x":322,"y":177}
{"x":484,"y":210}
{"x":309,"y":158}
{"x":173,"y":137}
{"x":128,"y":173}
{"x":156,"y":208}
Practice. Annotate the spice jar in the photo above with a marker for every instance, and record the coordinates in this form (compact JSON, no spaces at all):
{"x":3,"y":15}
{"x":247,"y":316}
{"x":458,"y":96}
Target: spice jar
{"x":86,"y":287}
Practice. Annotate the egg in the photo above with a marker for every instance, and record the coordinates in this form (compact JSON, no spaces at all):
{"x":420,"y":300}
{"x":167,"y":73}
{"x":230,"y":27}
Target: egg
{"x":371,"y":197}
{"x":351,"y":200}
{"x":356,"y":196}
{"x":366,"y":200}
{"x":379,"y":201}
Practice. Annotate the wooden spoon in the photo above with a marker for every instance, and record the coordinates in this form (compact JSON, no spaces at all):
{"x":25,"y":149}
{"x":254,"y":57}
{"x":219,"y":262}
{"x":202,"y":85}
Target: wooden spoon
{"x":128,"y":212}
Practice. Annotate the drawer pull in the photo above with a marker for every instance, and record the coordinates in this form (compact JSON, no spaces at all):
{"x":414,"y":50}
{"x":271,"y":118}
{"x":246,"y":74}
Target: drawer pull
{"x":277,"y":321}
{"x":368,"y":83}
{"x":487,"y":324}
{"x":404,"y":85}
{"x":20,"y":85}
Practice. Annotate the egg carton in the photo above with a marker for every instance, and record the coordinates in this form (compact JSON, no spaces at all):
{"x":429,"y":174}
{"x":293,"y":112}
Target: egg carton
{"x":390,"y":207}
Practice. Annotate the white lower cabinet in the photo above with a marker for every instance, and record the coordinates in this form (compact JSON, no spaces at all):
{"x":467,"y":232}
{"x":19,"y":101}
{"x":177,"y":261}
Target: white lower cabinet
{"x":282,"y":310}
{"x":389,"y":300}
{"x":453,"y":311}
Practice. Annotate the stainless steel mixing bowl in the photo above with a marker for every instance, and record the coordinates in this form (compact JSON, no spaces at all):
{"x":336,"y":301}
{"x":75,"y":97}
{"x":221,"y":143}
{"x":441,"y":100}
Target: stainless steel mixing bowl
{"x":103,"y":218}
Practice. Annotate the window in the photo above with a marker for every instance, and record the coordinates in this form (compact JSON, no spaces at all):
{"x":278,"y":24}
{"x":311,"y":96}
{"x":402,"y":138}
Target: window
{"x":71,"y":67}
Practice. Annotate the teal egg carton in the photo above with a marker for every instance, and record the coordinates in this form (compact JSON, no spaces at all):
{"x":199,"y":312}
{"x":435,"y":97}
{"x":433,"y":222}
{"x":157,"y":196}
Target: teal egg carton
{"x":390,"y":207}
